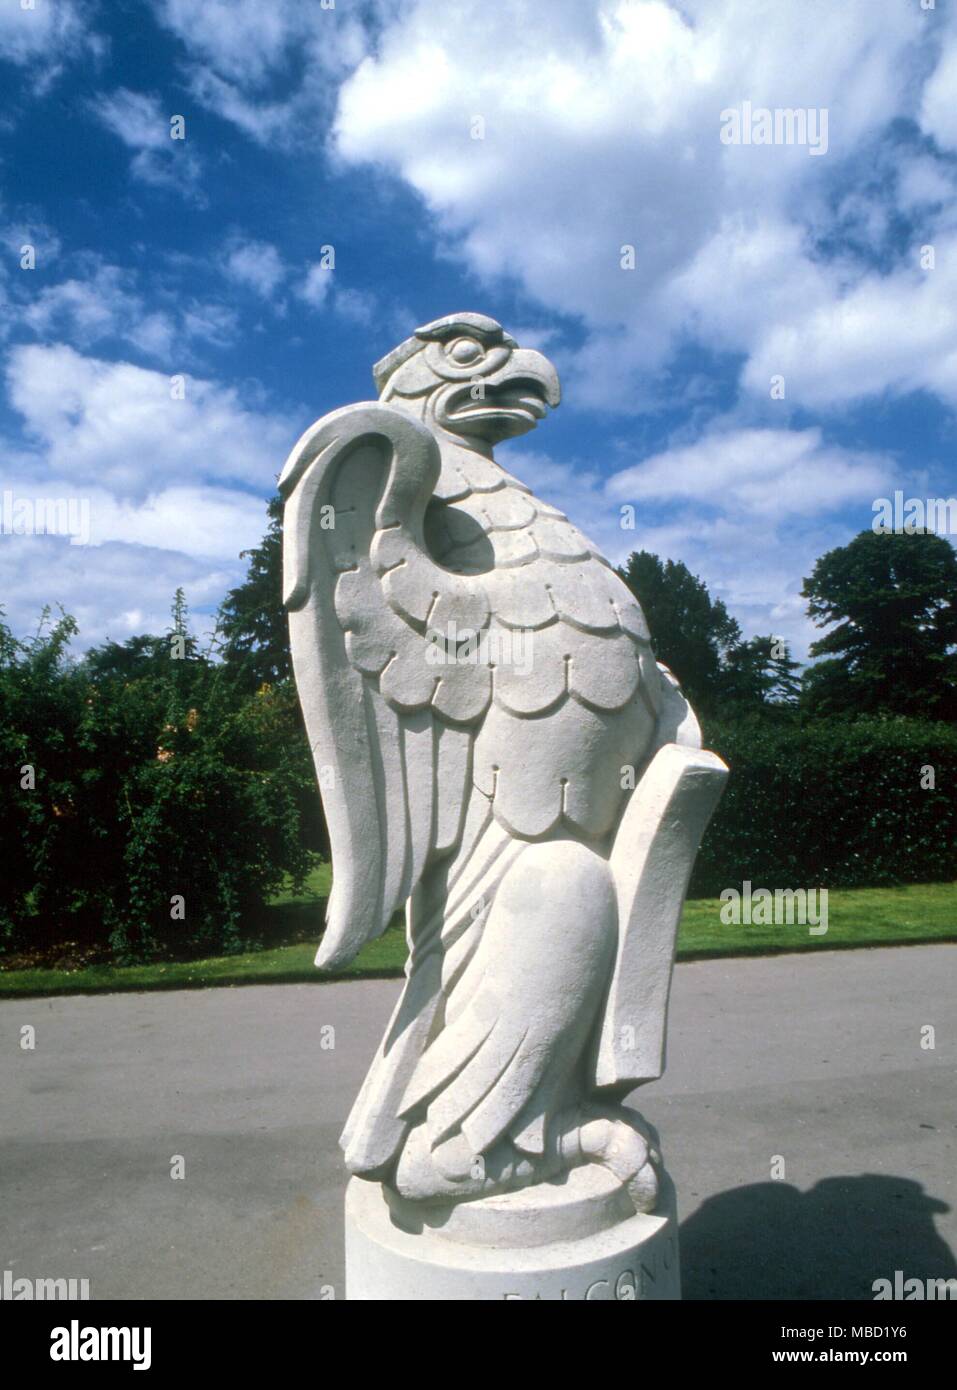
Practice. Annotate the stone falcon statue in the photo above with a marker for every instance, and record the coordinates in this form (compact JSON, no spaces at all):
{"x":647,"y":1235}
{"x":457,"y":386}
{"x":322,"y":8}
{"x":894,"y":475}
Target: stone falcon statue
{"x":500,"y":754}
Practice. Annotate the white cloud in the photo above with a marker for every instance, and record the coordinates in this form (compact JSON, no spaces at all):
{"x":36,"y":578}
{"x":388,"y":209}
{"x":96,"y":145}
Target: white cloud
{"x":356,"y":306}
{"x":204,"y":522}
{"x":768,"y":473}
{"x":259,"y":266}
{"x":116,"y":425}
{"x":602,"y":130}
{"x":750,"y":273}
{"x":236,"y":49}
{"x":256,"y":264}
{"x":246,"y":41}
{"x":938,"y":112}
{"x":895,"y":332}
{"x":136,"y":117}
{"x":320,"y":290}
{"x":316,"y":285}
{"x":46,"y":37}
{"x":31,"y":231}
{"x":143,"y":124}
{"x":161,"y":483}
{"x":103,"y":301}
{"x":114,"y":590}
{"x":103,"y":304}
{"x":213,"y":323}
{"x":207,"y":523}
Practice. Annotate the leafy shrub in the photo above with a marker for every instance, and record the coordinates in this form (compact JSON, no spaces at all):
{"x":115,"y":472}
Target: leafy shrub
{"x":216,"y":821}
{"x":155,"y":779}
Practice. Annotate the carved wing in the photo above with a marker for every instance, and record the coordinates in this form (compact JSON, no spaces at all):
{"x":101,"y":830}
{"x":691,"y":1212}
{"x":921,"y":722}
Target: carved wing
{"x":391,"y":730}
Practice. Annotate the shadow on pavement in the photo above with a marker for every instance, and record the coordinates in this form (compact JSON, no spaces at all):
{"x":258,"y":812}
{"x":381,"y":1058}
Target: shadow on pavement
{"x":770,"y":1240}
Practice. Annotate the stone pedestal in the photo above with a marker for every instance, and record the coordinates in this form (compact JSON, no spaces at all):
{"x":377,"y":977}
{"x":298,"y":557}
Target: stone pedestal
{"x":579,"y":1239}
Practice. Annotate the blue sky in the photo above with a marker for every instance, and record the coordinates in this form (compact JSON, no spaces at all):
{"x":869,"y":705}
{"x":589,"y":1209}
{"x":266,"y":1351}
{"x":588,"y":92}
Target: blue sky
{"x":491,"y":157}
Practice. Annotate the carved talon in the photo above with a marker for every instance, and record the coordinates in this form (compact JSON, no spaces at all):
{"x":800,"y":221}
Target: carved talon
{"x":452,"y":1171}
{"x":620,"y":1144}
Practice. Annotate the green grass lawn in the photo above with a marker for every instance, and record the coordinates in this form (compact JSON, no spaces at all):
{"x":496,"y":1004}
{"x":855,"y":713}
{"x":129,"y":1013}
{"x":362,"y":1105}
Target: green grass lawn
{"x":856,"y":917}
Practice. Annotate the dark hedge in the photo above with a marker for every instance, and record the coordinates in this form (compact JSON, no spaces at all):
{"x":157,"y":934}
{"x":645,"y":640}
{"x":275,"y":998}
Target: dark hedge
{"x":831,"y":803}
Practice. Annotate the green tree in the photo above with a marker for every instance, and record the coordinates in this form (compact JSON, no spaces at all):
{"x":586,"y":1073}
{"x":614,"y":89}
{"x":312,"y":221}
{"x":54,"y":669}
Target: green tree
{"x":691,"y":632}
{"x":172,"y":656}
{"x":252,"y":619}
{"x":128,"y":659}
{"x":698,"y":639}
{"x":760,"y":672}
{"x":891,"y":603}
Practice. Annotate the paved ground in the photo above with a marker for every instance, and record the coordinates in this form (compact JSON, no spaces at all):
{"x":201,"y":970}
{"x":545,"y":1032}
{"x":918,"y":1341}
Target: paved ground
{"x":816,"y":1059}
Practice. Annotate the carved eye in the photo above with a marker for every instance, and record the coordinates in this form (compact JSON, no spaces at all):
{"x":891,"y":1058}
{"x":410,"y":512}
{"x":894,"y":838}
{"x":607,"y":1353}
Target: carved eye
{"x":464,"y":351}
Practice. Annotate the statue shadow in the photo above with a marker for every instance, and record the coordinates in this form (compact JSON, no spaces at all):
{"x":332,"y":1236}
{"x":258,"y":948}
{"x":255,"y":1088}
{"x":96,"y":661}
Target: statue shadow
{"x":772,"y":1241}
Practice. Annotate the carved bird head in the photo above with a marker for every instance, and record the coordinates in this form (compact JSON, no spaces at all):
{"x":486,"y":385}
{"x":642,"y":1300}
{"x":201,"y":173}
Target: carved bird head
{"x":465,"y":376}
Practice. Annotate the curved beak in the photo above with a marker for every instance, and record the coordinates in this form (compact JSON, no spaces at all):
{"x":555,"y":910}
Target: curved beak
{"x":525,"y":364}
